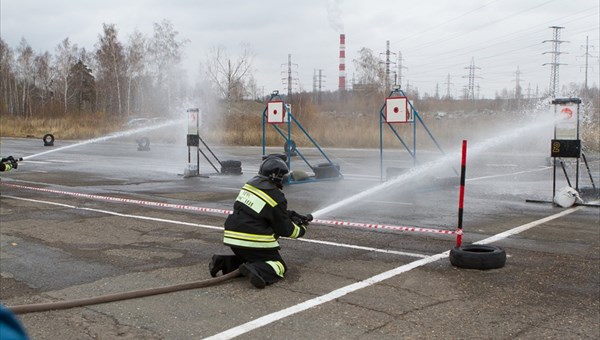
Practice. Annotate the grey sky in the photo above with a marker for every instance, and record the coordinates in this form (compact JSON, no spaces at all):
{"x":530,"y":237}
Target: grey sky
{"x":435,"y":37}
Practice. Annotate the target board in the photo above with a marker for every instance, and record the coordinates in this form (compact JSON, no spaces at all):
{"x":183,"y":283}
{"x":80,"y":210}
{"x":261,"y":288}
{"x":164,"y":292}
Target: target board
{"x":275,"y":112}
{"x":397,"y":110}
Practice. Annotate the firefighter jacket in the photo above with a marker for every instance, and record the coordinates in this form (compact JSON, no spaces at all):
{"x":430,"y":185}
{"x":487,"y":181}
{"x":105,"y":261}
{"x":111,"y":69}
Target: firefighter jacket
{"x":260,"y":217}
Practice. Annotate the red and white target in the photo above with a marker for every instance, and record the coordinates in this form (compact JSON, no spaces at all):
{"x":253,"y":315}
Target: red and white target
{"x":397,"y":110}
{"x":275,"y":112}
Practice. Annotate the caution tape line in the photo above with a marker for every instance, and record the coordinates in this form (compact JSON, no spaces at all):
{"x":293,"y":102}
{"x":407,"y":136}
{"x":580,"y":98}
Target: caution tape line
{"x":124,"y":200}
{"x":383,"y":226}
{"x":227,"y":212}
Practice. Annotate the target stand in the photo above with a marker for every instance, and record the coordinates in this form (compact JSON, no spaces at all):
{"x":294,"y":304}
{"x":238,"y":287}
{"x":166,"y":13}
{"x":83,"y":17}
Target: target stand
{"x":398,"y":109}
{"x":565,"y":144}
{"x":194,"y":141}
{"x":279,"y":115}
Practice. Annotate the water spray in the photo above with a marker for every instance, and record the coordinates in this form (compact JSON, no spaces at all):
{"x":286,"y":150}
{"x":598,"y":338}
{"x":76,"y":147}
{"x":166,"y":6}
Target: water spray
{"x":111,"y":136}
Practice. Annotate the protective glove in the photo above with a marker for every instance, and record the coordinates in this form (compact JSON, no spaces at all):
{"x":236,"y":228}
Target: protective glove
{"x":299,"y":219}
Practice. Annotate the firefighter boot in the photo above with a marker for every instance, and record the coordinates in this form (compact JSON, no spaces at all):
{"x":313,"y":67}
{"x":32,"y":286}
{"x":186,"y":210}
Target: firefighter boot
{"x":249,"y":271}
{"x":216,"y":265}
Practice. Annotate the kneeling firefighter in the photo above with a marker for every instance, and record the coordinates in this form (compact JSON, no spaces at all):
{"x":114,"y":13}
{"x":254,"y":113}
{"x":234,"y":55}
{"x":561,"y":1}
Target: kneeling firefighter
{"x":259,"y":218}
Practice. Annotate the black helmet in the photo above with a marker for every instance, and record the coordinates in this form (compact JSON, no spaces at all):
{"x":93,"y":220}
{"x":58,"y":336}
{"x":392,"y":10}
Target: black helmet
{"x":274,"y":168}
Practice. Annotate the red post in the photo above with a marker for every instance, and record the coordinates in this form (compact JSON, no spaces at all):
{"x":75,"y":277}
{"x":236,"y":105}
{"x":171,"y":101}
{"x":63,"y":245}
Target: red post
{"x":461,"y":197}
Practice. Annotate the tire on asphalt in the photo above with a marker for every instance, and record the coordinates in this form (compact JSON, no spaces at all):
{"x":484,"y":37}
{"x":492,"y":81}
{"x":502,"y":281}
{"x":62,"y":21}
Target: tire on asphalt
{"x":326,"y":170}
{"x":48,"y":139}
{"x":231,"y":167}
{"x":478,"y":256}
{"x":143,"y":144}
{"x":291,"y":146}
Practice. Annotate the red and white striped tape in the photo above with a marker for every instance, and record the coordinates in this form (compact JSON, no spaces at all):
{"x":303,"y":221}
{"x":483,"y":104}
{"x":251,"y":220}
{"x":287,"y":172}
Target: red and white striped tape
{"x":225,"y":211}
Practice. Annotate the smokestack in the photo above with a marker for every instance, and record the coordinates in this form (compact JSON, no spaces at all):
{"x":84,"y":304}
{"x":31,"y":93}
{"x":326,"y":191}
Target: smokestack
{"x":342,"y":82}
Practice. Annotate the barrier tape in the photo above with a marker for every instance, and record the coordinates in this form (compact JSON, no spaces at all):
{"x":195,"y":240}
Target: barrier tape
{"x":225,"y":211}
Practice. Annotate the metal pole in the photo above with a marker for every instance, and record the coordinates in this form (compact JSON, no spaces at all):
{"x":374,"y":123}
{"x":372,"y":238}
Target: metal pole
{"x":588,"y":170}
{"x":562,"y":164}
{"x":381,"y":145}
{"x":461,"y":197}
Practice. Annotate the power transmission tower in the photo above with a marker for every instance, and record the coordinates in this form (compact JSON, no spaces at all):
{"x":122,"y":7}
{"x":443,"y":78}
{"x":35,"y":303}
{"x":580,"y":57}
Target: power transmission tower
{"x":448,"y":84}
{"x":470,"y":90}
{"x":290,"y":80}
{"x":518,"y":89}
{"x":318,"y":83}
{"x":555,"y":59}
{"x":587,"y":55}
{"x":388,"y":62}
{"x":400,"y":67}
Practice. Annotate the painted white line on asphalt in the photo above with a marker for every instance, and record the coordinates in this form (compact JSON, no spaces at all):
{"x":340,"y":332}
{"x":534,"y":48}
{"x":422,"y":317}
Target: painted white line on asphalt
{"x":155,"y":219}
{"x":270,"y":318}
{"x":510,"y":174}
{"x":502,"y":165}
{"x":390,"y":202}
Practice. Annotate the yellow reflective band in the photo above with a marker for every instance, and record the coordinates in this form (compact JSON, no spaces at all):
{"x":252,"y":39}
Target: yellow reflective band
{"x":250,"y":244}
{"x":260,"y":194}
{"x":277,"y":267}
{"x":251,"y":201}
{"x":296,"y":231}
{"x":249,"y":237}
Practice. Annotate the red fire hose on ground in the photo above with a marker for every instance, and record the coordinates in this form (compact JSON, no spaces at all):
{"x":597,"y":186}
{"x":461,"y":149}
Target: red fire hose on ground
{"x":42,"y":307}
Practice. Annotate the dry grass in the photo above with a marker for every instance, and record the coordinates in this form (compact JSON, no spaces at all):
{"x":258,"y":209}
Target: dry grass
{"x":84,"y":127}
{"x":244,"y":127}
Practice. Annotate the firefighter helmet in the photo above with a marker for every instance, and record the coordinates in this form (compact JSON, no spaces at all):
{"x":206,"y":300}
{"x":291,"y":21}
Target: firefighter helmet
{"x":274,"y":168}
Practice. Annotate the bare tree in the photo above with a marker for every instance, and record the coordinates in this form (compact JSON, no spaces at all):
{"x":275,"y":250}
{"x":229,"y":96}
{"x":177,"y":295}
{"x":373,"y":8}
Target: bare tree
{"x":110,"y":58}
{"x":135,"y":64}
{"x":25,"y":74}
{"x":43,"y":77}
{"x":370,"y":70}
{"x":7,"y":102}
{"x":226,"y":74}
{"x":66,"y":57}
{"x":166,"y":52}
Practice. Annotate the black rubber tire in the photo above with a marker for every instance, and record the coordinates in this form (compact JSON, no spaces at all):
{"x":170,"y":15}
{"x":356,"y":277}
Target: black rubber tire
{"x":143,"y":144}
{"x":231,"y":164}
{"x":291,"y":145}
{"x":478,"y":256}
{"x":327,"y":170}
{"x":48,"y":139}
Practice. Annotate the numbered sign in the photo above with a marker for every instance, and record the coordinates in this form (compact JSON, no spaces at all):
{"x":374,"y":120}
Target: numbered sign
{"x":275,"y":112}
{"x":397,"y":110}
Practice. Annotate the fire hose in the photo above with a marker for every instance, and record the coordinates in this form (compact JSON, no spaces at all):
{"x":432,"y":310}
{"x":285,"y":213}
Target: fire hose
{"x":43,"y":307}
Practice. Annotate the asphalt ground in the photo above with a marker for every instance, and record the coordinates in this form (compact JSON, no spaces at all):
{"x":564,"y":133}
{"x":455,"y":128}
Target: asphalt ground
{"x":60,"y":241}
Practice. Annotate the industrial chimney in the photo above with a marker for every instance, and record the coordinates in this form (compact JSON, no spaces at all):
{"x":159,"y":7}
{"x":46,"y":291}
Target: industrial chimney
{"x":342,"y":82}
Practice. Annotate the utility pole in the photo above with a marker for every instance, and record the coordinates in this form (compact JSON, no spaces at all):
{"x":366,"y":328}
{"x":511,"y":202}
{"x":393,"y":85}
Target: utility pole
{"x":554,"y":79}
{"x":470,"y":91}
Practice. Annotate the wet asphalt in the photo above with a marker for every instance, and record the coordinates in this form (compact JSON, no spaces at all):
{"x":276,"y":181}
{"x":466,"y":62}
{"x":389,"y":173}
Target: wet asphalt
{"x":60,"y":241}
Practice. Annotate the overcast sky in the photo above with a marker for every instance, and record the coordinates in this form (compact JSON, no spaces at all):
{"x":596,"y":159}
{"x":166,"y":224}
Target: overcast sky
{"x":436,"y":38}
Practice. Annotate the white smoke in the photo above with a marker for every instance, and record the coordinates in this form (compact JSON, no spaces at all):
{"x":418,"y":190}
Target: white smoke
{"x":334,"y":15}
